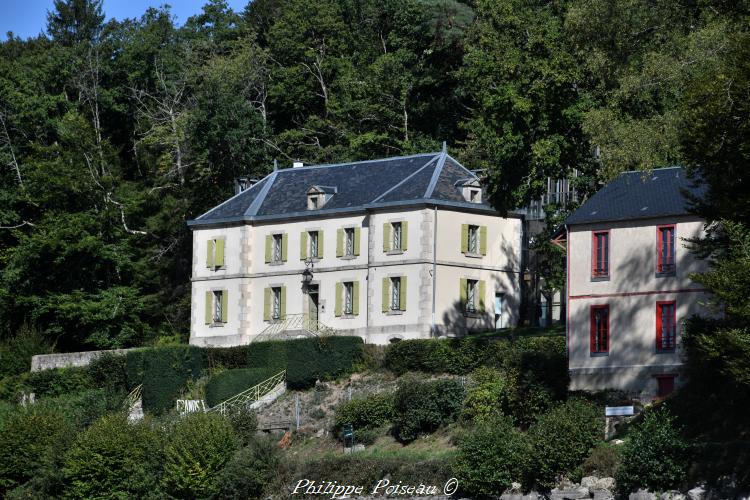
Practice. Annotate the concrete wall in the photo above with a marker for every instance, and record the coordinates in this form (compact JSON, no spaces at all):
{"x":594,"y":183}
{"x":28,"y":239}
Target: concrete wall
{"x":631,"y":292}
{"x":68,"y":359}
{"x":247,"y":275}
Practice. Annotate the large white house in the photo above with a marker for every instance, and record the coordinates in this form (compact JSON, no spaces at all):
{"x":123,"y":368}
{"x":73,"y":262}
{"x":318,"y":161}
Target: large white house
{"x":629,"y":286}
{"x":404,"y":247}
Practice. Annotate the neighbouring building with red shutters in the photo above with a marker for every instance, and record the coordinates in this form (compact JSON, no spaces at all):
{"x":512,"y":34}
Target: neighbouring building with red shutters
{"x":629,"y":287}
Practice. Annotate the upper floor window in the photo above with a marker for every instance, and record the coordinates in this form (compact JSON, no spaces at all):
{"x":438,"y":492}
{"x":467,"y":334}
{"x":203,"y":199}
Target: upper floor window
{"x":600,"y":254}
{"x":396,"y":234}
{"x":599,"y":329}
{"x":349,"y":297}
{"x":473,"y":241}
{"x":349,"y":241}
{"x":666,"y":326}
{"x":313,"y":237}
{"x":277,"y":247}
{"x":215,"y":254}
{"x":665,"y":263}
{"x":475,"y":195}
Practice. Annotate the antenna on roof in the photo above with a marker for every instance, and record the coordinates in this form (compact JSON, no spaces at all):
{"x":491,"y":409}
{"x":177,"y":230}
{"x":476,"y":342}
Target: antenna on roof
{"x":275,"y":164}
{"x":445,"y":147}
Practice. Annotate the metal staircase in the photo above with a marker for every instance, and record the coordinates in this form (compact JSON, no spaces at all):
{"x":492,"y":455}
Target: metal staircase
{"x":258,"y":395}
{"x":293,"y":326}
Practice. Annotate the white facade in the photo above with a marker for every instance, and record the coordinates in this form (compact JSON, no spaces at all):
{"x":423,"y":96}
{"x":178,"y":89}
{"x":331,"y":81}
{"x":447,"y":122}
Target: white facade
{"x":637,"y":294}
{"x":432,"y":262}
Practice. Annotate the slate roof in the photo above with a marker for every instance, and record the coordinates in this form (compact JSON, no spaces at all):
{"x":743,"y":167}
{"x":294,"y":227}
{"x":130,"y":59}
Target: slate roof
{"x":428,"y":178}
{"x":637,"y":195}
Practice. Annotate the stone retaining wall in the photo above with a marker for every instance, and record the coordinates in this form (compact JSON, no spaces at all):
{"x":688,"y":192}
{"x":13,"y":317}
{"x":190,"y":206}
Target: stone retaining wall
{"x":67,"y":359}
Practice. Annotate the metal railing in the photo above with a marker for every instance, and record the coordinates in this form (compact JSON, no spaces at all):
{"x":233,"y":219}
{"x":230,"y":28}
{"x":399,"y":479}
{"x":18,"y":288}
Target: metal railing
{"x":252,"y":395}
{"x":300,"y":324}
{"x":132,"y":398}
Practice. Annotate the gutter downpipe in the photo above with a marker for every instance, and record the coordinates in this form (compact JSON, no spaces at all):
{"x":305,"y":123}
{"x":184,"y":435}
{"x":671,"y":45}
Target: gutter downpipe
{"x":434,"y":267}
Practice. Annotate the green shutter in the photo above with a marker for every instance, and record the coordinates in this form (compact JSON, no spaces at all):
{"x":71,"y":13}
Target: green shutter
{"x":339,"y":298}
{"x":386,"y":236}
{"x":483,"y":240}
{"x":402,"y":296}
{"x":269,"y":242}
{"x":482,"y":290}
{"x":224,"y":305}
{"x":339,"y":243}
{"x":209,"y":307}
{"x":266,"y":304}
{"x":463,"y":293}
{"x":464,"y":238}
{"x":357,"y":232}
{"x":303,"y":246}
{"x":210,"y":254}
{"x":404,"y":234}
{"x":355,"y":298}
{"x":284,"y":242}
{"x":220,"y":253}
{"x":282,"y":303}
{"x":385,"y":294}
{"x":320,"y":244}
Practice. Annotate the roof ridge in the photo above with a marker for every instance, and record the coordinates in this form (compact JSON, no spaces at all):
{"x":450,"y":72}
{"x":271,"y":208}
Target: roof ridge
{"x":376,"y":160}
{"x":402,"y":181}
{"x":653,"y":169}
{"x":436,"y":175}
{"x":235,"y":196}
{"x":258,"y":201}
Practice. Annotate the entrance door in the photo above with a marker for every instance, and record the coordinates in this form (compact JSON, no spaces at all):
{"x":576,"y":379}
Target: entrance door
{"x":499,"y":298}
{"x":312,"y":307}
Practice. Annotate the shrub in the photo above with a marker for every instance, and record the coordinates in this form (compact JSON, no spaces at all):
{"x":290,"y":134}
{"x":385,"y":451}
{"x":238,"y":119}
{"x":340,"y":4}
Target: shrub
{"x":163,"y":371}
{"x":29,"y":436}
{"x":654,"y":456}
{"x":250,"y":470}
{"x":114,"y":459}
{"x":16,"y":352}
{"x":603,"y":461}
{"x":487,"y":397}
{"x":490,"y":457}
{"x":244,"y":422}
{"x":422,"y":407}
{"x":198,"y":447}
{"x":109,"y":371}
{"x":59,"y":381}
{"x":231,"y":382}
{"x":562,"y":438}
{"x":374,"y":410}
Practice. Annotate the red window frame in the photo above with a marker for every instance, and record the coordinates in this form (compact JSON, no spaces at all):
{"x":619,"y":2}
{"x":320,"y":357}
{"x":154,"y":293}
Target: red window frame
{"x":665,"y":251}
{"x":599,"y":342}
{"x":600,"y":254}
{"x":670,"y":325}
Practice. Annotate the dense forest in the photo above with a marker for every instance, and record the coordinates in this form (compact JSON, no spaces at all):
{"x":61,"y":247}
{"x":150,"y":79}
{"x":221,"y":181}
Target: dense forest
{"x":113,"y":134}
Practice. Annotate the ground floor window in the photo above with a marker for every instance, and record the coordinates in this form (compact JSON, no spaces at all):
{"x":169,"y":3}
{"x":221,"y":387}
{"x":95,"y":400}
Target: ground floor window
{"x":276,"y":302}
{"x":599,"y":329}
{"x":665,"y":385}
{"x":395,"y":294}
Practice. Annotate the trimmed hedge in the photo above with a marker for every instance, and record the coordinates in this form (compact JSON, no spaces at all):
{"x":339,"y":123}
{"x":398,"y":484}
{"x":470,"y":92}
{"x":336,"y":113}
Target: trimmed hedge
{"x":421,"y":407}
{"x":373,"y":410}
{"x":230,"y":382}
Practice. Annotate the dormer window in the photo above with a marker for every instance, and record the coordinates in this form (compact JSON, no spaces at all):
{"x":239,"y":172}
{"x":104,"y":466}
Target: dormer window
{"x":317,"y":196}
{"x":471,"y":190}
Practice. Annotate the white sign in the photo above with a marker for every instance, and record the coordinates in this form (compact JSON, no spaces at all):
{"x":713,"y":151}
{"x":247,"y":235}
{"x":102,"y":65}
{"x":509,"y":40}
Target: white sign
{"x":618,"y":411}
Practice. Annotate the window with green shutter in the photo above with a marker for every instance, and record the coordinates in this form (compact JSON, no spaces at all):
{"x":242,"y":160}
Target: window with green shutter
{"x":355,"y":298}
{"x":209,"y":303}
{"x":464,"y":238}
{"x":210,"y":254}
{"x":267,"y":304}
{"x":483,"y":240}
{"x":404,"y":235}
{"x":385,"y":294}
{"x":357,"y":235}
{"x":339,"y":243}
{"x":282,"y":303}
{"x":303,"y":246}
{"x":402,"y":289}
{"x":223,"y":317}
{"x":215,"y":253}
{"x":284,"y":246}
{"x":339,"y":299}
{"x":387,"y":237}
{"x":320,"y":244}
{"x":269,"y":248}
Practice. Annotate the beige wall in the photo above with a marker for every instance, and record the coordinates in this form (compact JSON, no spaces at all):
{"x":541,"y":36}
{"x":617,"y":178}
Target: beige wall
{"x":631,"y":292}
{"x":246,"y":275}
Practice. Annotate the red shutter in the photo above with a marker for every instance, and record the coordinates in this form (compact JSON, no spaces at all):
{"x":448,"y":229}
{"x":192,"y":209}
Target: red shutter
{"x":659,"y":253}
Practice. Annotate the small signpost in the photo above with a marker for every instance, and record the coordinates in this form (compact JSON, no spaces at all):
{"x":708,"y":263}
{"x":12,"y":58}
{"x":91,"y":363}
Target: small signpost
{"x":613,"y":416}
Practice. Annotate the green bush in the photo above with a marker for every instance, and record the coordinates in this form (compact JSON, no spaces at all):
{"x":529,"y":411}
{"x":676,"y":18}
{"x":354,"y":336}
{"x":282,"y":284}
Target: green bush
{"x":16,"y":352}
{"x":29,"y":437}
{"x":490,"y":457}
{"x":374,"y":410}
{"x":109,"y":371}
{"x":250,"y":470}
{"x":114,"y":459}
{"x":603,"y":461}
{"x":59,"y":381}
{"x":198,"y":447}
{"x":654,"y":455}
{"x":487,"y":397}
{"x":562,"y":438}
{"x":422,"y":407}
{"x":163,"y":371}
{"x":231,"y":382}
{"x":244,"y":422}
